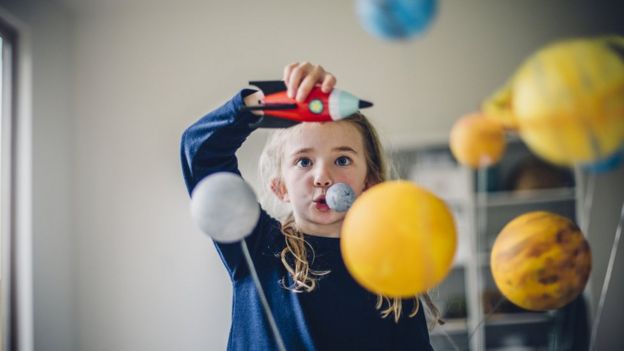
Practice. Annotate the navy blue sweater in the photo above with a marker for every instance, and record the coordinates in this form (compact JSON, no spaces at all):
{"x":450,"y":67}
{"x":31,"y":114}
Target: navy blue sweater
{"x":338,"y":315}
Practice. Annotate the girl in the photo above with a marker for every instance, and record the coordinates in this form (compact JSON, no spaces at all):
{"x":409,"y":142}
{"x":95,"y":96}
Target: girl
{"x":316,"y":303}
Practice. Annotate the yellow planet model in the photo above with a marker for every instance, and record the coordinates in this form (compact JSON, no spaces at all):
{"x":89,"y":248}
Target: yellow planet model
{"x":540,"y":261}
{"x":567,"y":101}
{"x":398,"y":239}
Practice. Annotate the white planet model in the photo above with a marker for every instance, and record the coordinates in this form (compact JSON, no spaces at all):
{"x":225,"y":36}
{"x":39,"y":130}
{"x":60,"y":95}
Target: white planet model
{"x":225,"y":207}
{"x":340,"y":197}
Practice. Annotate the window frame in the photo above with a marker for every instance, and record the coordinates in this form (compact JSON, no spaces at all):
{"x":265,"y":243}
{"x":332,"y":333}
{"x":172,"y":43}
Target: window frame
{"x":10,"y":279}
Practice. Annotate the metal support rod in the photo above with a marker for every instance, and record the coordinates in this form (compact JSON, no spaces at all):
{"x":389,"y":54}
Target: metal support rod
{"x":607,"y":280}
{"x":265,"y":303}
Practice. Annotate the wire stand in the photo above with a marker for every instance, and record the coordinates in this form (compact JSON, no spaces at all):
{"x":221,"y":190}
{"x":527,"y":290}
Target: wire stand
{"x":607,"y":280}
{"x":486,"y":317}
{"x":265,"y":304}
{"x":450,"y":340}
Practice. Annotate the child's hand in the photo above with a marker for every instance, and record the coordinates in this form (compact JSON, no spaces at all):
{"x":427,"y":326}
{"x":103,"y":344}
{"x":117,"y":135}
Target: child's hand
{"x":301,"y":77}
{"x":255,"y":99}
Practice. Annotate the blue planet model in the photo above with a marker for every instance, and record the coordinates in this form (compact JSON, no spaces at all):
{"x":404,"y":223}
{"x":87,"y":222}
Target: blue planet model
{"x":396,"y":19}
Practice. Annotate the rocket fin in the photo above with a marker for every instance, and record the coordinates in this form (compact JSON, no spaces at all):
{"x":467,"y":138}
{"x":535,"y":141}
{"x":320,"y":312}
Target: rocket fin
{"x":269,"y":86}
{"x":273,"y":107}
{"x":268,"y":121}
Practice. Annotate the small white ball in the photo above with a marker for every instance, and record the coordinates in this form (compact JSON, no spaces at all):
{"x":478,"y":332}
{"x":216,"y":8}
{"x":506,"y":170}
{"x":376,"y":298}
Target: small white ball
{"x":340,"y":197}
{"x":225,"y":207}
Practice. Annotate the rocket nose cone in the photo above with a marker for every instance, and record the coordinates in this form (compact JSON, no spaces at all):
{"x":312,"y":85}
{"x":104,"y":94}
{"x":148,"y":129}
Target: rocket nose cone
{"x":364,"y":104}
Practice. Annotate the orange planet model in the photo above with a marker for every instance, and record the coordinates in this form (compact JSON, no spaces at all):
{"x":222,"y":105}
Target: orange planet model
{"x":477,"y":141}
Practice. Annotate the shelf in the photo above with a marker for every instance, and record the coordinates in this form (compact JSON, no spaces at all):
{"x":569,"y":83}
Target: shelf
{"x":469,"y":292}
{"x":451,"y":326}
{"x":459,"y":264}
{"x":503,"y":319}
{"x":525,"y":197}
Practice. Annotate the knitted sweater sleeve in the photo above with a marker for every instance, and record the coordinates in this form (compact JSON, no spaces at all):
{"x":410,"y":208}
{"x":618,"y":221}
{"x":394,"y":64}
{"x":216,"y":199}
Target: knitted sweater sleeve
{"x":209,"y":146}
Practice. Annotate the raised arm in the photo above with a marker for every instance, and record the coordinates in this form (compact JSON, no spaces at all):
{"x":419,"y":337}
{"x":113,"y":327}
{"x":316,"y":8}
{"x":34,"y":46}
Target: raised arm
{"x":209,"y":145}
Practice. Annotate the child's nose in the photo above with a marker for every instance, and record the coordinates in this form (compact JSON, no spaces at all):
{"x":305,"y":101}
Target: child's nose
{"x":322,"y":182}
{"x":322,"y":178}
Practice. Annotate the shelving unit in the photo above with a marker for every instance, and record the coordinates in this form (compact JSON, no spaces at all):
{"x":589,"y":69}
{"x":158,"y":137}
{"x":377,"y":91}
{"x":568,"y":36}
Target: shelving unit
{"x":483,"y":202}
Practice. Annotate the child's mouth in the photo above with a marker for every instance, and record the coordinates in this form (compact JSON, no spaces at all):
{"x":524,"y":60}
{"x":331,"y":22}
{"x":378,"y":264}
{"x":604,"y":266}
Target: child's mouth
{"x":321,"y":204}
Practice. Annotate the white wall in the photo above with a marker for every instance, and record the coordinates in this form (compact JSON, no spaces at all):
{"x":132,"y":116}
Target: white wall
{"x":50,"y":33}
{"x":112,"y":217}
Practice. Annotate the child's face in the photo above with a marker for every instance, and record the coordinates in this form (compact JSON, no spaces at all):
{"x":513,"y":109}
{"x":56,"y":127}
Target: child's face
{"x":317,"y":156}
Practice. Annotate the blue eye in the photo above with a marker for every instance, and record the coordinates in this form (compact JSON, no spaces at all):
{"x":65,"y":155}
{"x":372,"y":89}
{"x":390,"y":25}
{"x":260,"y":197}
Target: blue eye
{"x":343,"y":161}
{"x":304,"y":162}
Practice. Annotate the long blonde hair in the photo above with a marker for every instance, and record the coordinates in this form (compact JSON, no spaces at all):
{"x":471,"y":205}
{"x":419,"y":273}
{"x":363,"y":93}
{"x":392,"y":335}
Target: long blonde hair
{"x":296,"y":253}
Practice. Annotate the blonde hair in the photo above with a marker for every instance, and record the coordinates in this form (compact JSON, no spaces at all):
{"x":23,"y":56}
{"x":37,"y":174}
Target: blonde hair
{"x":298,"y":253}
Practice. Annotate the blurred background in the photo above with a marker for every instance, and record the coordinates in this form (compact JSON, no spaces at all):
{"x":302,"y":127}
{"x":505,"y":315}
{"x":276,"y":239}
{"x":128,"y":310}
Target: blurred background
{"x":106,"y":88}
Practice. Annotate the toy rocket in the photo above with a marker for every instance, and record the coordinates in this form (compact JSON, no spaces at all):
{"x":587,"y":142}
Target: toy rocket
{"x":280,"y":111}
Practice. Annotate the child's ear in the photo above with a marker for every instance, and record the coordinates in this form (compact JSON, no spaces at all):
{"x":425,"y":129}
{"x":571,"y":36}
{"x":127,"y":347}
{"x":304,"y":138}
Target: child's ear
{"x":278,"y":188}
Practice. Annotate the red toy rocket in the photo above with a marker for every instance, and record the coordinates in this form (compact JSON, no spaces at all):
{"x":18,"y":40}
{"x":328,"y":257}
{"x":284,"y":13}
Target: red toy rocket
{"x":281,"y":111}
